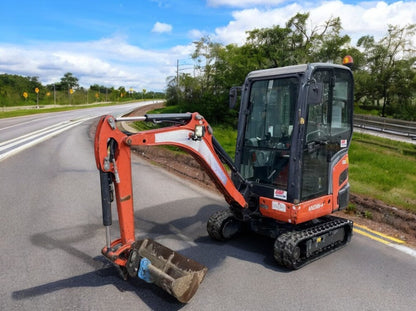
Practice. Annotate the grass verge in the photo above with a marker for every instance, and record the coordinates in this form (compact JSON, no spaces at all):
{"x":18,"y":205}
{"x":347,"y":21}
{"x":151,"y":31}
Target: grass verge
{"x":25,"y":112}
{"x":383,"y":169}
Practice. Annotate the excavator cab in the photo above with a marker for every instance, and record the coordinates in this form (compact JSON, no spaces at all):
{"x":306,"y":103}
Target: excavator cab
{"x":295,"y":127}
{"x":289,"y":174}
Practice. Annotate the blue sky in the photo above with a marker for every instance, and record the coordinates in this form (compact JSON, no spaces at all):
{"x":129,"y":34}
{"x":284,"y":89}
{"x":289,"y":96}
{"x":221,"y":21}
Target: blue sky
{"x":26,"y":21}
{"x":136,"y":43}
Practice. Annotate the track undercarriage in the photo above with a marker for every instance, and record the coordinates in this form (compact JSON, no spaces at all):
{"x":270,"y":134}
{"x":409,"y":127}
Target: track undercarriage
{"x":295,"y":245}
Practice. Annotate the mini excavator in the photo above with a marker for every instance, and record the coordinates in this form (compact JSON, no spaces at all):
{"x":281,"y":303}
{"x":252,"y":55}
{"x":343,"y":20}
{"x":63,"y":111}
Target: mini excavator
{"x":289,"y":174}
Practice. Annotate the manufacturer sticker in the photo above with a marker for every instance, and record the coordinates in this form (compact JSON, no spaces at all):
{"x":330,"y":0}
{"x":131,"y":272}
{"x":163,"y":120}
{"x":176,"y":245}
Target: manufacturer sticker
{"x":280,"y":194}
{"x":315,"y":206}
{"x":278,"y":206}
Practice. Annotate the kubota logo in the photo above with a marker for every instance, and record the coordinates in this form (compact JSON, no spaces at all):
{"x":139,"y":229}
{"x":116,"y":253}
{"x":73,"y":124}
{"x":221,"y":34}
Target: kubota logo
{"x":315,"y":206}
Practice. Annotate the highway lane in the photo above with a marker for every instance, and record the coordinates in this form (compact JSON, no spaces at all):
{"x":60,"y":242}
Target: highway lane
{"x":51,"y":237}
{"x":19,"y":133}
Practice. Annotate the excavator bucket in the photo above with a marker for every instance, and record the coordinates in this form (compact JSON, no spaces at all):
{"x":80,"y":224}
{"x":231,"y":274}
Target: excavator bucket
{"x":155,"y":263}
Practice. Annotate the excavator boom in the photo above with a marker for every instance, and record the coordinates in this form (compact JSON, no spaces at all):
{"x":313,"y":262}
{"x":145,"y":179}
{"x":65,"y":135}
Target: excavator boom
{"x":193,"y":134}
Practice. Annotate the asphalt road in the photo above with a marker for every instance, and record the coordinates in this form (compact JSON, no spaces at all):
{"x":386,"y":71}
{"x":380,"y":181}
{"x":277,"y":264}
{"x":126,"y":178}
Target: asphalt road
{"x":51,"y":237}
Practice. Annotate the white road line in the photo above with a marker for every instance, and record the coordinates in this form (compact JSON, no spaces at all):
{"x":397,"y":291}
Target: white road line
{"x":21,"y":139}
{"x":21,"y":123}
{"x":37,"y":137}
{"x":404,"y":249}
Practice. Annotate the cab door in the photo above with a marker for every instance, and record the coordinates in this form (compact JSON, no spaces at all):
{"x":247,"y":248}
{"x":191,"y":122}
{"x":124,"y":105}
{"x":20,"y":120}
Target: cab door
{"x":328,"y":129}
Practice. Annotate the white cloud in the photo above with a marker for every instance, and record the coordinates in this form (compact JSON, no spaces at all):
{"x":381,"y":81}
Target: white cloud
{"x":365,"y":18}
{"x":161,"y":27}
{"x":249,"y":19}
{"x":109,"y":62}
{"x":196,"y":34}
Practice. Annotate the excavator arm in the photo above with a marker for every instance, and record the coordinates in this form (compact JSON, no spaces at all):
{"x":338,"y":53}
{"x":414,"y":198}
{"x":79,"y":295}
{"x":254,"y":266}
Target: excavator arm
{"x":191,"y":133}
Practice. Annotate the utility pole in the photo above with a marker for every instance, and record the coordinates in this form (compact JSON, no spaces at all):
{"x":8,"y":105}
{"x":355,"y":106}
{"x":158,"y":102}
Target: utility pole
{"x":177,"y":80}
{"x":37,"y":97}
{"x":177,"y":73}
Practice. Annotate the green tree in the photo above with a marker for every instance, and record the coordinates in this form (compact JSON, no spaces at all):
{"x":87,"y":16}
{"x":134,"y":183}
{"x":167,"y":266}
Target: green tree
{"x":384,"y":62}
{"x":68,"y":81}
{"x":219,"y":67}
{"x":13,"y":86}
{"x":403,"y":90}
{"x":270,"y":45}
{"x":295,"y":43}
{"x":322,"y":43}
{"x":329,"y":45}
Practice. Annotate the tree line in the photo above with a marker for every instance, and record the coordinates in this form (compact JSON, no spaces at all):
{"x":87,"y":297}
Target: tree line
{"x":384,"y":70}
{"x":17,"y":90}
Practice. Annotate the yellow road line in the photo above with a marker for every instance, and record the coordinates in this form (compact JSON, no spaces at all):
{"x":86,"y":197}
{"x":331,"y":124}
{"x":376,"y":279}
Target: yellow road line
{"x":401,"y":247}
{"x":379,"y":234}
{"x":371,"y":236}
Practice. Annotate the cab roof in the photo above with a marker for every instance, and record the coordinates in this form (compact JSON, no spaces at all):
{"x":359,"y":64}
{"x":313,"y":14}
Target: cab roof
{"x":289,"y":70}
{"x":278,"y":71}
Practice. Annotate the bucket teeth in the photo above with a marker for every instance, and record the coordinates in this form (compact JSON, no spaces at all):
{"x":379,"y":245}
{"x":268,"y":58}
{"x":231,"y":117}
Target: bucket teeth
{"x":176,"y":274}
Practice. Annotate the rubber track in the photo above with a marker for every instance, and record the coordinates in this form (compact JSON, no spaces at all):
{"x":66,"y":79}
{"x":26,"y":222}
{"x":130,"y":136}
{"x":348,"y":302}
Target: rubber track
{"x":215,"y":224}
{"x":286,"y":243}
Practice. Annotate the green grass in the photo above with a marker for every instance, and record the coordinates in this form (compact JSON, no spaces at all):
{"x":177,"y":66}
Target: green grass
{"x":383,"y":169}
{"x":227,"y":137}
{"x":373,"y":112}
{"x":25,"y":112}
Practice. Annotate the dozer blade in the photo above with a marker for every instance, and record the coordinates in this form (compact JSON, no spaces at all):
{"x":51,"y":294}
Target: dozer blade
{"x":155,"y":263}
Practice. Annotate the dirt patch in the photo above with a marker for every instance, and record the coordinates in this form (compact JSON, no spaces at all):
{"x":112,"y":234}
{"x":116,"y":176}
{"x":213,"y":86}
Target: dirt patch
{"x":369,"y":212}
{"x":384,"y":218}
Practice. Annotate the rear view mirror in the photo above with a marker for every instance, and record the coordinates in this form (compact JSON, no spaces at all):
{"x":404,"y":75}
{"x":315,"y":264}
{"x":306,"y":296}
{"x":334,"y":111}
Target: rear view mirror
{"x":233,"y":96}
{"x":315,"y":94}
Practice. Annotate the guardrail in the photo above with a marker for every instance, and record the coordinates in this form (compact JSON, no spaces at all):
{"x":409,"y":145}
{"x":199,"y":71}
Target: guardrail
{"x":385,"y":125}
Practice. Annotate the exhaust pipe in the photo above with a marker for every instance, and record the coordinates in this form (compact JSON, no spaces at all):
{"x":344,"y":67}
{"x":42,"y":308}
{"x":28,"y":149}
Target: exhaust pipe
{"x":176,"y":274}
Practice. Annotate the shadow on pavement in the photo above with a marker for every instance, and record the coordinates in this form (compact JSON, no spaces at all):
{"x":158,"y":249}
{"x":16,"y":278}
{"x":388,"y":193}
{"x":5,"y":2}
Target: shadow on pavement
{"x":186,"y":228}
